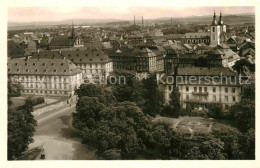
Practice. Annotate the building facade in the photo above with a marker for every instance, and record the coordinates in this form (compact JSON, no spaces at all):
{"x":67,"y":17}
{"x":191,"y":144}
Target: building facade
{"x":45,"y":77}
{"x":93,"y":62}
{"x":198,"y":87}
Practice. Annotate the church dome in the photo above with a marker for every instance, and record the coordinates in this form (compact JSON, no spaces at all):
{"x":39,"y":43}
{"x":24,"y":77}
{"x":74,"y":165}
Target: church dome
{"x":214,"y":22}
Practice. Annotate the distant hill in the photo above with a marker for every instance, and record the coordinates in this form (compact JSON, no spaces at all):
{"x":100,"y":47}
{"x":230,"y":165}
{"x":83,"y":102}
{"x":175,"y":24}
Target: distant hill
{"x":228,"y":19}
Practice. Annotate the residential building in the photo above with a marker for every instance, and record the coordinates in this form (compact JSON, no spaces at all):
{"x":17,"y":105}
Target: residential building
{"x":201,"y":87}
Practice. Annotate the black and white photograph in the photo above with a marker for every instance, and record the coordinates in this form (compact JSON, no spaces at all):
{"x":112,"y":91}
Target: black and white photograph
{"x":121,"y":83}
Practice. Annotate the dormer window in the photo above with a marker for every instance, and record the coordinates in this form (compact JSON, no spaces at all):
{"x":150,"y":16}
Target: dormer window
{"x":18,"y":70}
{"x":65,"y":70}
{"x":45,"y":70}
{"x":52,"y":63}
{"x":36,"y":70}
{"x":61,"y":64}
{"x":54,"y":70}
{"x":34,"y":64}
{"x":16,"y":64}
{"x":43,"y":64}
{"x":26,"y":63}
{"x":27,"y":70}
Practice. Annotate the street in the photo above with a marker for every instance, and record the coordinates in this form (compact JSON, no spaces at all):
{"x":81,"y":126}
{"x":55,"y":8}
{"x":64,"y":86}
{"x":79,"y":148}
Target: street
{"x":59,"y":139}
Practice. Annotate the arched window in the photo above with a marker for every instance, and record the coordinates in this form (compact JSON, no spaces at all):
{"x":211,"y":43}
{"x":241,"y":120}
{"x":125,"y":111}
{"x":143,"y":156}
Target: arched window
{"x":213,"y":29}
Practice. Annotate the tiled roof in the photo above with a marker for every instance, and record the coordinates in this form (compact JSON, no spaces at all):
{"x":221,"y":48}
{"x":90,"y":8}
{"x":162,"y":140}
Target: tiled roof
{"x":196,"y":35}
{"x":198,"y":71}
{"x":42,"y":67}
{"x":76,"y":56}
{"x":62,"y":41}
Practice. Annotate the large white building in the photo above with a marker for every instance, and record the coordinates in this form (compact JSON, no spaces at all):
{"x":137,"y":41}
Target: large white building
{"x":201,"y":87}
{"x":45,"y":77}
{"x":93,"y":62}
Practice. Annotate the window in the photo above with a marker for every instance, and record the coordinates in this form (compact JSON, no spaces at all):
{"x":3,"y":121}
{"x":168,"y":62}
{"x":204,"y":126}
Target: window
{"x":226,"y":98}
{"x":213,"y":29}
{"x":195,"y":89}
{"x":234,"y":98}
{"x":187,"y":88}
{"x":187,"y":97}
{"x":226,"y":90}
{"x":34,"y":64}
{"x":214,"y":98}
{"x":226,"y":106}
{"x":233,"y":90}
{"x":214,"y":89}
{"x":170,"y":88}
{"x":205,"y":89}
{"x":200,"y":89}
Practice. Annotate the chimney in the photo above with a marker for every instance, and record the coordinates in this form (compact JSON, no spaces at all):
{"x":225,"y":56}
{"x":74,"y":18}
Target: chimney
{"x":142,"y":21}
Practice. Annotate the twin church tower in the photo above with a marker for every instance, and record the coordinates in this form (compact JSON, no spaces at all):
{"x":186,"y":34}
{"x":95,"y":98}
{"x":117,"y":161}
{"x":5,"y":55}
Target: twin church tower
{"x":217,"y":30}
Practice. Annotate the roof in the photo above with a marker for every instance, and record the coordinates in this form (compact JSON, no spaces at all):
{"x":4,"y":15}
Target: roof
{"x":196,"y":35}
{"x":198,"y":71}
{"x":62,"y":41}
{"x":94,"y":55}
{"x":42,"y":67}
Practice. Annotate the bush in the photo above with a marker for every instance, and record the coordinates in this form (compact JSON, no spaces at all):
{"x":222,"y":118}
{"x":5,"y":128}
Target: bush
{"x":216,"y":112}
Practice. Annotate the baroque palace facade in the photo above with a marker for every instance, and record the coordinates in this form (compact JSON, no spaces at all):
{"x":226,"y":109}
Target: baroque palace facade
{"x":54,"y":77}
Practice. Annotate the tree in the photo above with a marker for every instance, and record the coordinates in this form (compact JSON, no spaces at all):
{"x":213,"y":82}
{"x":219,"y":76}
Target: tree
{"x":230,"y":137}
{"x":201,"y":62}
{"x":21,"y":128}
{"x":244,"y":114}
{"x":117,"y":129}
{"x":241,"y":64}
{"x":152,"y":96}
{"x":211,"y":149}
{"x":112,"y":154}
{"x":175,"y":102}
{"x":87,"y":112}
{"x":247,"y":141}
{"x":215,"y":111}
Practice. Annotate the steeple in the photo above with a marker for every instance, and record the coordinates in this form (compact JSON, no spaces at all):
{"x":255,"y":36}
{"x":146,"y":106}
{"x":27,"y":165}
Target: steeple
{"x":72,"y":30}
{"x":214,"y":22}
{"x":220,"y":22}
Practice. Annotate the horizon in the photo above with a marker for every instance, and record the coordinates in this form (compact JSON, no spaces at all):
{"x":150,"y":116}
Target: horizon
{"x":58,"y":14}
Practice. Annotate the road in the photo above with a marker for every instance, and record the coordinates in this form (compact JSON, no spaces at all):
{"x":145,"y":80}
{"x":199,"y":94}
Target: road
{"x":59,"y":139}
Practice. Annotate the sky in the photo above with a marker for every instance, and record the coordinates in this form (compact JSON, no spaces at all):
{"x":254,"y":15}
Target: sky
{"x":42,"y":14}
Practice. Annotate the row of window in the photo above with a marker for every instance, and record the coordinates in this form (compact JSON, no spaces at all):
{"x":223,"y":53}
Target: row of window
{"x":206,"y":89}
{"x":44,"y":92}
{"x":214,"y":98}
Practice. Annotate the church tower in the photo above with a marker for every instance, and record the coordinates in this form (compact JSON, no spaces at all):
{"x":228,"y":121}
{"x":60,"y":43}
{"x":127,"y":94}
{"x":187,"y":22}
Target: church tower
{"x":222,"y":29}
{"x":214,"y":32}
